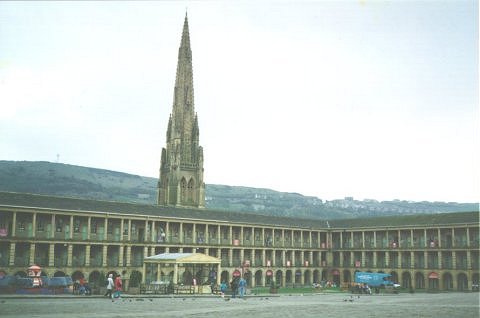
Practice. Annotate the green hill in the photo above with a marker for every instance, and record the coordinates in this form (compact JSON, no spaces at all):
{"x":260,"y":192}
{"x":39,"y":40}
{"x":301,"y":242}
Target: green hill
{"x":82,"y":182}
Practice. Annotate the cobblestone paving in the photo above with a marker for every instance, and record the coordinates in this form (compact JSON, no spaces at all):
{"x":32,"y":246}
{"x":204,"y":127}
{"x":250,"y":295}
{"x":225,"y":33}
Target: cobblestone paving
{"x":330,"y":305}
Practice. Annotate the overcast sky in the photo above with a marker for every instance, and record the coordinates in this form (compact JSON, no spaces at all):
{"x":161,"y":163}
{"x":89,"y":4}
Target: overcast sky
{"x":370,"y":99}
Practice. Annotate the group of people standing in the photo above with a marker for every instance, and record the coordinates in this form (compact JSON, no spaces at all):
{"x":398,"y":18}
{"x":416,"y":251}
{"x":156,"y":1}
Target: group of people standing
{"x":114,"y":287}
{"x":238,"y":285}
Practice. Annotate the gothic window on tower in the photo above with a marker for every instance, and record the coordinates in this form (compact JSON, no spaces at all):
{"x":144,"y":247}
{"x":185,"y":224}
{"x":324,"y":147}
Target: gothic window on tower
{"x":183,"y":186}
{"x":191,"y":185}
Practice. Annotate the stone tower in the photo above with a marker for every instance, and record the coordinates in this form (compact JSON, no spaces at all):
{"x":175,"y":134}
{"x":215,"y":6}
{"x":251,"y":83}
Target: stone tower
{"x":181,"y":165}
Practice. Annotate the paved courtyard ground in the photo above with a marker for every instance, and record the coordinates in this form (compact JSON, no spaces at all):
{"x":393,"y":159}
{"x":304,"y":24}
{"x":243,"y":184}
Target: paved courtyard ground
{"x":326,"y":305}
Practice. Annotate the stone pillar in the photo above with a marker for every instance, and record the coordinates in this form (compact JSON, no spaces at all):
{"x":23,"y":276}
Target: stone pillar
{"x":375,"y":241}
{"x":241,"y":236}
{"x":454,"y":259}
{"x":363,"y":240}
{"x":181,"y":232}
{"x":175,"y":274}
{"x":70,"y":254}
{"x":87,"y":255}
{"x":283,"y":240}
{"x":104,"y":255}
{"x":230,"y":237}
{"x":194,"y":233}
{"x":11,"y":261}
{"x":375,"y":259}
{"x":301,"y":238}
{"x":51,"y":254}
{"x":105,"y":229}
{"x":230,"y":257}
{"x":263,"y":236}
{"x":218,"y":235}
{"x":264,"y":261}
{"x":129,"y":236}
{"x":412,"y":261}
{"x":34,"y":224}
{"x":387,"y":259}
{"x":32,"y":254}
{"x":121,"y":229}
{"x":363,"y":258}
{"x":145,"y":233}
{"x":121,"y":263}
{"x":89,"y":227}
{"x":284,"y":260}
{"x":129,"y":253}
{"x":14,"y":223}
{"x":71,"y":227}
{"x":52,"y":233}
{"x":425,"y":260}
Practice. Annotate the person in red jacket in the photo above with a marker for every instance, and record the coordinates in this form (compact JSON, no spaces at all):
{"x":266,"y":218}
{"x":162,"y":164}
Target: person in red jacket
{"x":118,"y":287}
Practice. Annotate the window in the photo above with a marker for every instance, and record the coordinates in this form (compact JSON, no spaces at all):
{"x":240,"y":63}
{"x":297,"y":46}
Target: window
{"x":93,"y":227}
{"x":76,"y":226}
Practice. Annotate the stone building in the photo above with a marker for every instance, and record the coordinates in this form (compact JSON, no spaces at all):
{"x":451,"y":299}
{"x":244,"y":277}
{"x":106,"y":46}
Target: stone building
{"x":88,"y":238}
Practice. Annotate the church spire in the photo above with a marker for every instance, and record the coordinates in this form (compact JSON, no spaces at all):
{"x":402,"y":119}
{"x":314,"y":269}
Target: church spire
{"x":181,"y":167}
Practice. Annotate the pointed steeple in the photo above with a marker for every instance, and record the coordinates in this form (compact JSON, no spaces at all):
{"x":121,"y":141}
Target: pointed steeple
{"x":181,"y":168}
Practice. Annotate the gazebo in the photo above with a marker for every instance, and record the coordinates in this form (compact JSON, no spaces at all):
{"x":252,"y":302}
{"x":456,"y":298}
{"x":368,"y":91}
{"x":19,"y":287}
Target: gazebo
{"x":177,"y":264}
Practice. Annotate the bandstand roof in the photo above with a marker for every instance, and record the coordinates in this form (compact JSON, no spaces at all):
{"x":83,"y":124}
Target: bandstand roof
{"x":182,"y":258}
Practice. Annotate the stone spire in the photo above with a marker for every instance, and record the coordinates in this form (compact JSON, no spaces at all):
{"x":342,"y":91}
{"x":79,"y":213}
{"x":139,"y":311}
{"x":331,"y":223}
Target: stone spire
{"x":181,"y":166}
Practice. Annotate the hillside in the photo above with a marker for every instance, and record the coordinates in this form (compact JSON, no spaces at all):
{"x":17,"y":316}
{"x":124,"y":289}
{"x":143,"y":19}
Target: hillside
{"x":83,"y":182}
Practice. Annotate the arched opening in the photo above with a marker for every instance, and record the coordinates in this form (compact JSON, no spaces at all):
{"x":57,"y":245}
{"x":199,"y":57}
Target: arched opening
{"x":183,"y":190}
{"x":248,"y":277}
{"x":419,"y":281}
{"x":135,"y":279}
{"x":190,"y":187}
{"x":347,"y":278}
{"x":462,"y":282}
{"x":279,"y":278}
{"x":225,"y":277}
{"x":406,"y":280}
{"x":316,"y":276}
{"x":298,"y":277}
{"x":336,"y":277}
{"x":447,"y":281}
{"x":324,"y":275}
{"x":95,"y":279}
{"x":433,"y":281}
{"x":258,"y":278}
{"x":77,"y":275}
{"x":394,"y":277}
{"x":307,"y":277}
{"x":59,"y":274}
{"x":288,"y":277}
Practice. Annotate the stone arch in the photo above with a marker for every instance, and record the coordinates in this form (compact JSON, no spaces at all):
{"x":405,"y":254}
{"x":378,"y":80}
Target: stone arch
{"x":190,"y":190}
{"x":406,"y":280}
{"x":77,"y":275}
{"x":307,"y":277}
{"x":298,"y":276}
{"x":475,"y":278}
{"x":279,"y":278}
{"x":258,"y":278}
{"x":462,"y":282}
{"x":225,"y":277}
{"x":183,"y":190}
{"x":316,"y":276}
{"x":59,"y":274}
{"x":288,"y":277}
{"x":394,"y":277}
{"x":447,"y":281}
{"x":324,"y":275}
{"x":135,"y":279}
{"x":419,"y":280}
{"x":347,"y":277}
{"x":95,"y":279}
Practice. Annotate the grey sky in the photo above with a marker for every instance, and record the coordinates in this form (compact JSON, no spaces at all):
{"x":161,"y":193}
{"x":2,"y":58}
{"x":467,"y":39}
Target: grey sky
{"x":370,"y":99}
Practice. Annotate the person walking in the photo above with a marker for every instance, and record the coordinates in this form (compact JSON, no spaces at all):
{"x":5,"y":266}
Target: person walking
{"x":110,"y":285}
{"x":223,"y":289}
{"x":242,"y":287}
{"x":118,"y":287}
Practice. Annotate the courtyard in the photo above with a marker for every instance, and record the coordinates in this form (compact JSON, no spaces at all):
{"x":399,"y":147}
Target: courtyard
{"x":316,"y":305}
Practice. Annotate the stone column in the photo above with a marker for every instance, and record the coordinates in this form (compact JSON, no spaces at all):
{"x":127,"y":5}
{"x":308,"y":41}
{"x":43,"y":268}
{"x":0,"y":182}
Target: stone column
{"x":218,"y":235}
{"x":145,"y":233}
{"x":87,"y":255}
{"x":175,"y":274}
{"x":129,"y":253}
{"x":264,"y":261}
{"x":51,"y":254}
{"x":11,"y":261}
{"x":14,"y":223}
{"x":89,"y":227}
{"x":375,"y":241}
{"x":241,"y":235}
{"x":105,"y":229}
{"x":121,"y":229}
{"x":230,"y":257}
{"x":284,"y":261}
{"x":71,"y":227}
{"x":283,"y":240}
{"x":104,"y":255}
{"x":181,"y":232}
{"x":52,"y":234}
{"x":32,"y":254}
{"x":129,"y":236}
{"x":34,"y":224}
{"x":121,"y":263}
{"x":69,"y":254}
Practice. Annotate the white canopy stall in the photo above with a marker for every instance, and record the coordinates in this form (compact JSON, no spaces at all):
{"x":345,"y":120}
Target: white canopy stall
{"x":180,"y":268}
